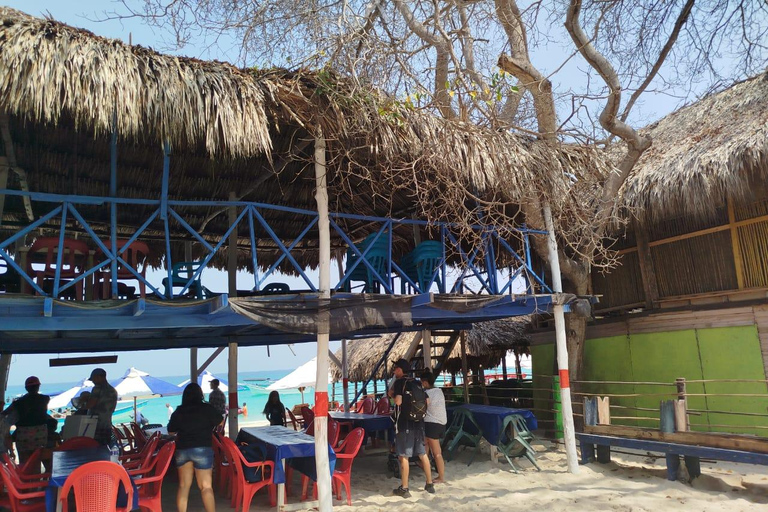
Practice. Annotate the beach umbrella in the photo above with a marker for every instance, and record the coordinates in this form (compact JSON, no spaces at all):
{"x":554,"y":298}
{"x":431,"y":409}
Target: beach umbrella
{"x":302,"y":377}
{"x":64,"y":399}
{"x":136,"y":383}
{"x":204,"y":380}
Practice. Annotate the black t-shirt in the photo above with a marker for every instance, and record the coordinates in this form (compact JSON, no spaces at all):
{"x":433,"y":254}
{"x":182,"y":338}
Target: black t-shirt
{"x":401,"y":411}
{"x":32,"y":410}
{"x":275,"y":413}
{"x":194,"y":425}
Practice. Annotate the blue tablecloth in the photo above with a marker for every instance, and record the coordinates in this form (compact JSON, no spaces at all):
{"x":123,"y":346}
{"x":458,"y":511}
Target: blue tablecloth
{"x":64,"y":463}
{"x":284,"y":443}
{"x":368,"y":422}
{"x":490,"y":419}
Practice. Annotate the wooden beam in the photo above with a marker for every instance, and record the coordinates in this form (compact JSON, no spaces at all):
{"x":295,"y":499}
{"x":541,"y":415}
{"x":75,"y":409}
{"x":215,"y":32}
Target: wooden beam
{"x":77,"y":361}
{"x":210,"y":360}
{"x":647,"y":272}
{"x":735,"y":246}
{"x":724,"y":441}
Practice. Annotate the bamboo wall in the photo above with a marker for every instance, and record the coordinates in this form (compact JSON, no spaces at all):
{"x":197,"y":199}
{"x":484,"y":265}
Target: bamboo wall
{"x":726,"y":251}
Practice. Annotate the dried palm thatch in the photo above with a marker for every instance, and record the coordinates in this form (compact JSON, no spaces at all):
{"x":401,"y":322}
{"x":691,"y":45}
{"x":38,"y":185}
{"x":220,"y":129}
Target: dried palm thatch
{"x":487,"y":344}
{"x":65,"y":90}
{"x":704,"y":153}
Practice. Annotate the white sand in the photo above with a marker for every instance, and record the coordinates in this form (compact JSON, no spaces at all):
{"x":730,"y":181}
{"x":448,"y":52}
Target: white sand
{"x":629,"y":483}
{"x":633,"y":483}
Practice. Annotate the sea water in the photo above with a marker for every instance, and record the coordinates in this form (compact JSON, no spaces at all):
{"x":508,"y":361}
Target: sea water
{"x":252,"y":391}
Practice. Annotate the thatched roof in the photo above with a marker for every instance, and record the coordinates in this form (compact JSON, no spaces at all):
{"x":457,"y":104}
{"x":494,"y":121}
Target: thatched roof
{"x":487,"y":343}
{"x":245,"y":131}
{"x":703,"y":153}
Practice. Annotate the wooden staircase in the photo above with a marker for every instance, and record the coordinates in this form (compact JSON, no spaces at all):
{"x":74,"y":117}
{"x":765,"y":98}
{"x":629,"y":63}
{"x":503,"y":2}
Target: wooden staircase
{"x":440,"y":351}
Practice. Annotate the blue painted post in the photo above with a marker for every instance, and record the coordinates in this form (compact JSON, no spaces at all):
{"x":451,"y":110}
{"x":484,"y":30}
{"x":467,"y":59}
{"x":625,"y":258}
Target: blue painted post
{"x":164,"y":215}
{"x":389,"y":256}
{"x":444,"y":264}
{"x":60,"y":254}
{"x":527,"y":247}
{"x":253,"y":250}
{"x":113,"y":205}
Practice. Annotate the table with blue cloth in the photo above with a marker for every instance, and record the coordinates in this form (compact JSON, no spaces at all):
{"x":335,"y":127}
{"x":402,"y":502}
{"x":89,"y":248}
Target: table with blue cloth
{"x":282,"y":443}
{"x":65,"y":462}
{"x":490,"y":419}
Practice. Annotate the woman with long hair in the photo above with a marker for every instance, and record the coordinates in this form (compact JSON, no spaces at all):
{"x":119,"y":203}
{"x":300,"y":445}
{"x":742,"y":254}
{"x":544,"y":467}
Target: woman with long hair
{"x":434,"y":422}
{"x":193,"y":422}
{"x":274,"y":410}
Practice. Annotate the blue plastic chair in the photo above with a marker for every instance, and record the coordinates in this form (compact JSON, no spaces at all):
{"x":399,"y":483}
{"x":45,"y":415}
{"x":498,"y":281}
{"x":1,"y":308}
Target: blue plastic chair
{"x":420,"y":265}
{"x":376,"y":256}
{"x":181,"y":274}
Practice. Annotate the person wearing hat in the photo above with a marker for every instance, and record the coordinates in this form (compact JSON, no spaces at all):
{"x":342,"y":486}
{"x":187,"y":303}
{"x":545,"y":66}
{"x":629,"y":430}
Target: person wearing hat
{"x":409,"y":434}
{"x":31,"y":412}
{"x":102,"y":404}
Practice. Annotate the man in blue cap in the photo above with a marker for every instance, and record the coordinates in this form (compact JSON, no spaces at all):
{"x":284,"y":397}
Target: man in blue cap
{"x":102,"y":404}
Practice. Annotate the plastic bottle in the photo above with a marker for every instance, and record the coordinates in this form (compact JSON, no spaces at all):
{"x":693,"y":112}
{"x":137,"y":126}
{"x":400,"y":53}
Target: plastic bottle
{"x":114,"y":454}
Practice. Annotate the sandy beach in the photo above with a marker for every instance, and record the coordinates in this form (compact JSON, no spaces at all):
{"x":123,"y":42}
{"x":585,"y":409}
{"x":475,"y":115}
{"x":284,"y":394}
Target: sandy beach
{"x":629,"y":483}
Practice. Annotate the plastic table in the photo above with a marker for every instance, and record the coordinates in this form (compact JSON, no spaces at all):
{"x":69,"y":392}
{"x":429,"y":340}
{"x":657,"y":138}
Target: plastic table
{"x":283,"y":443}
{"x":490,"y":419}
{"x":64,"y":463}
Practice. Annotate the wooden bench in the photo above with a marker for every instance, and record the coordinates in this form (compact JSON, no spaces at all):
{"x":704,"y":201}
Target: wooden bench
{"x":598,"y":447}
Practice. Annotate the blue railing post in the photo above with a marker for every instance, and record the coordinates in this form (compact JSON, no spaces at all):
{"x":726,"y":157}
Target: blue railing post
{"x":253,"y":249}
{"x":60,"y":253}
{"x":443,"y":264}
{"x":164,"y":215}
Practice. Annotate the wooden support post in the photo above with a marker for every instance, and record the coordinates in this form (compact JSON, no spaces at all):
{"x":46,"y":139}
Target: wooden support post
{"x":233,"y":401}
{"x":682,"y":420}
{"x":647,"y":272}
{"x":324,"y":492}
{"x":504,"y":367}
{"x":4,"y":169}
{"x":464,"y":371}
{"x":484,"y":390}
{"x":345,"y":374}
{"x":426,"y":349}
{"x":232,"y":249}
{"x":5,"y":370}
{"x":518,"y":367}
{"x":569,"y":430}
{"x":193,"y":365}
{"x":735,"y":245}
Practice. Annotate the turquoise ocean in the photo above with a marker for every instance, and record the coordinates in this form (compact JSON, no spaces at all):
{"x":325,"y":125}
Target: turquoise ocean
{"x":252,"y":391}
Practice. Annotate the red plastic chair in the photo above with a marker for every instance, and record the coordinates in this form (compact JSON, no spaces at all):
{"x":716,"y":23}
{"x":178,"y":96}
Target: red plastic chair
{"x":342,"y":473}
{"x":333,"y":439}
{"x":291,"y":418}
{"x":382,"y":407}
{"x":21,"y":496}
{"x":151,"y":487}
{"x":139,"y":436}
{"x":95,"y":486}
{"x":78,"y":443}
{"x":72,"y":262}
{"x":222,"y":464}
{"x":143,"y":462}
{"x":307,"y":416}
{"x":244,"y":491}
{"x":136,"y":256}
{"x":30,"y":471}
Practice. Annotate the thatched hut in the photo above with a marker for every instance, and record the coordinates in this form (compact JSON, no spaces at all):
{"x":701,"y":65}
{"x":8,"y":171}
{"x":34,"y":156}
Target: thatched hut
{"x":487,"y":344}
{"x":690,"y":296}
{"x":242,"y":132}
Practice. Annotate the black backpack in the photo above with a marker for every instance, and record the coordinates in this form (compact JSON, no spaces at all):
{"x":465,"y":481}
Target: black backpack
{"x":414,"y":400}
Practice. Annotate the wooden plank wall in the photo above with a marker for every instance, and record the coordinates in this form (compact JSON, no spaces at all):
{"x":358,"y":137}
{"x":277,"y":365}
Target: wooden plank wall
{"x":761,"y":319}
{"x":727,"y":251}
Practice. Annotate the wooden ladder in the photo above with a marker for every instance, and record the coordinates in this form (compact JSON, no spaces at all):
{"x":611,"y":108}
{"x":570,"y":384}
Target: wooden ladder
{"x":443,"y":350}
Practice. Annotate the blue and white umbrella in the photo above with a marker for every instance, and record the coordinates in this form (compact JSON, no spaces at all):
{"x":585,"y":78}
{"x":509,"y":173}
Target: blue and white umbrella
{"x":64,"y":399}
{"x":136,"y":383}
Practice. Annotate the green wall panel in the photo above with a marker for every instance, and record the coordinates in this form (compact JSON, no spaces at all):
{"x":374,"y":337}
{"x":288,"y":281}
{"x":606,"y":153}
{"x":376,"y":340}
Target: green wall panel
{"x":734,"y":353}
{"x":727,"y":353}
{"x":542,"y":363}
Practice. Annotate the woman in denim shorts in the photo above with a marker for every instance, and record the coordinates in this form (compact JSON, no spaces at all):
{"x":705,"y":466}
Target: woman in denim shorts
{"x":193,"y":422}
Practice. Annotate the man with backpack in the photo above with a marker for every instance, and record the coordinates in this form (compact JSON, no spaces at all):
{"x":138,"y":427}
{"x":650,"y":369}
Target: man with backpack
{"x":410,"y":408}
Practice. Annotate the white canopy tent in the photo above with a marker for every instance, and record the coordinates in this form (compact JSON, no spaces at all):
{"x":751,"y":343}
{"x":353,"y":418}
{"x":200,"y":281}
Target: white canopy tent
{"x":305,"y":376}
{"x":204,"y":380}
